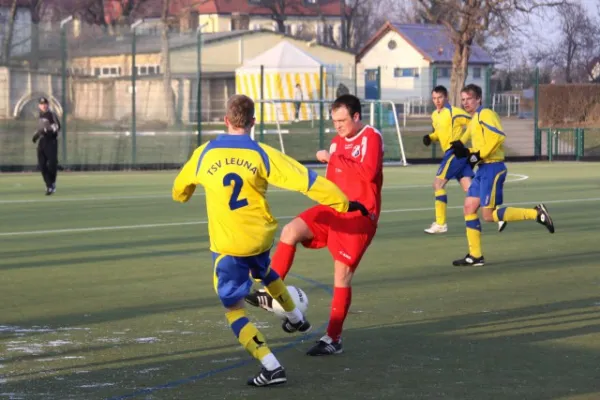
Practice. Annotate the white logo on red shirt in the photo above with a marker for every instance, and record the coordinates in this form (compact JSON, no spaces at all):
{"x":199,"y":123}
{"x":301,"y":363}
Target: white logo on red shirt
{"x":356,"y":151}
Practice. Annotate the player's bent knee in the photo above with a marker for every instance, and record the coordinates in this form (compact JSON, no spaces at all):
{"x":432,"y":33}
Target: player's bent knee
{"x":295,"y":232}
{"x":439,"y":184}
{"x":238,"y":305}
{"x":488,"y":215}
{"x":471,"y":205}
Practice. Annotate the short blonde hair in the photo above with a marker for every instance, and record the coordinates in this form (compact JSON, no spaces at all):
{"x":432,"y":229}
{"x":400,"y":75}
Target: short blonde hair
{"x":240,"y":111}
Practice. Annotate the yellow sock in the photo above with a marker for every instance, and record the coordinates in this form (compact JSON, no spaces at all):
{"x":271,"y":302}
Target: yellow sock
{"x":441,"y":202}
{"x":511,"y":214}
{"x":473,"y":235}
{"x":279,"y":292}
{"x":250,"y":337}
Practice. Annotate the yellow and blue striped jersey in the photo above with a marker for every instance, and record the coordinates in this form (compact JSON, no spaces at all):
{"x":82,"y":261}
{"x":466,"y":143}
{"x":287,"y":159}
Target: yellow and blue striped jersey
{"x":235,"y":172}
{"x":487,"y":135}
{"x":448,"y":125}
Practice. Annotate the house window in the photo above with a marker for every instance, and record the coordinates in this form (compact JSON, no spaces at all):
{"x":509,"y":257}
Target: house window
{"x":406,"y":72}
{"x":477,"y":72}
{"x":108,"y":71}
{"x":147,"y":69}
{"x":443,"y":72}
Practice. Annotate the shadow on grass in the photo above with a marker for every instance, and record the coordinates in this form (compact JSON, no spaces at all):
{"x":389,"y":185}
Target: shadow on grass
{"x":460,"y":357}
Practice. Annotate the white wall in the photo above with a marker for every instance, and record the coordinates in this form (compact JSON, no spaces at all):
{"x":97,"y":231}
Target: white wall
{"x":402,"y":56}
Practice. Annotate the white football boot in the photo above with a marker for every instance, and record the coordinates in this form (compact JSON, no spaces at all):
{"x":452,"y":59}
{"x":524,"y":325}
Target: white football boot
{"x":436,"y":228}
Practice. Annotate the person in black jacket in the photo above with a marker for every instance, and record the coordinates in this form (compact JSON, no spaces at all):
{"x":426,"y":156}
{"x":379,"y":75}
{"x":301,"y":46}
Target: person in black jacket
{"x":47,"y":148}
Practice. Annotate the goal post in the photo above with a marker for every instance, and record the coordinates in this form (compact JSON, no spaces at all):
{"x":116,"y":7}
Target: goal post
{"x":373,"y":105}
{"x":302,"y":138}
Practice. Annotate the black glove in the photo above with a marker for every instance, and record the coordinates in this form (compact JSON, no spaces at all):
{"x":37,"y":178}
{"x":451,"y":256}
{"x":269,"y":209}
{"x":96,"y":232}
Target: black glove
{"x":356,"y":206}
{"x":473,"y":158}
{"x":426,"y":140}
{"x":459,"y":149}
{"x":35,"y":137}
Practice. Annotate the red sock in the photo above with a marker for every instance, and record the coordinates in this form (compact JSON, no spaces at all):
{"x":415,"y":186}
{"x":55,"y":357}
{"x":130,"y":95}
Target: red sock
{"x":283,"y":259}
{"x":342,"y":297}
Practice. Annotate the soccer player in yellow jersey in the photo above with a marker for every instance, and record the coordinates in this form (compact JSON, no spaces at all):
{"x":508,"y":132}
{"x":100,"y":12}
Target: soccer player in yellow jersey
{"x":235,"y":172}
{"x":486,"y":189}
{"x":448,"y":124}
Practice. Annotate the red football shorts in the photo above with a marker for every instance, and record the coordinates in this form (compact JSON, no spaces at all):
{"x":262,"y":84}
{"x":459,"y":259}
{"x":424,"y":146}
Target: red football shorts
{"x":346,"y":235}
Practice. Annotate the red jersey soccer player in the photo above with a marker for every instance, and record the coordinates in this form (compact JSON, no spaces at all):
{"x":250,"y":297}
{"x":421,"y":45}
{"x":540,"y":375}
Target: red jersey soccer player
{"x":355,"y":165}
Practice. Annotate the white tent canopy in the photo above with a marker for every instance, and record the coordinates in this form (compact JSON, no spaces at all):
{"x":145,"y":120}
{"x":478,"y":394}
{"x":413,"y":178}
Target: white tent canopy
{"x":284,"y":55}
{"x":284,"y":67}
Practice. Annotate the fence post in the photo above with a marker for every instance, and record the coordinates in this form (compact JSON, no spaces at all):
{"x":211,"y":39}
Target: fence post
{"x":433,"y":77}
{"x":262,"y":104}
{"x":199,"y":90}
{"x":63,"y":91}
{"x":536,"y":131}
{"x":549,"y":143}
{"x":321,"y":109}
{"x":133,"y":93}
{"x":379,"y":105}
{"x":582,"y":142}
{"x":355,"y":79}
{"x":578,"y":143}
{"x":488,"y":87}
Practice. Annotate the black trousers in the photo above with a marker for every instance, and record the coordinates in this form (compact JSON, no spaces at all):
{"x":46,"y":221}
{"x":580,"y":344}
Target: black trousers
{"x":47,"y":154}
{"x":297,"y":106}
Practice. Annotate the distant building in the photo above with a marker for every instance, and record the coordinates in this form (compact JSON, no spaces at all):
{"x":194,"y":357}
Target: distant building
{"x":413,"y":59}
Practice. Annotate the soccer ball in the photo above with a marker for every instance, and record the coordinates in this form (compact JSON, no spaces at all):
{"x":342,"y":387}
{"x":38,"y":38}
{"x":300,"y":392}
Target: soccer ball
{"x":299,"y":297}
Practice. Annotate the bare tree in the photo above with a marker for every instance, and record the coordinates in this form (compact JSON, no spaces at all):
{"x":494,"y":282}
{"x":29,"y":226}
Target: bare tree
{"x":278,"y":10}
{"x":8,"y":33}
{"x":362,"y":18}
{"x":169,"y":19}
{"x":468,"y":19}
{"x":92,"y":12}
{"x":578,"y":42}
{"x":36,"y":9}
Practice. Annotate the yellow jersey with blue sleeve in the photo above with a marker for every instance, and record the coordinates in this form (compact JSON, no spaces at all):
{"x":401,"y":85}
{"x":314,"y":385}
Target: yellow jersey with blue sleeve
{"x":235,"y":172}
{"x":448,"y":125}
{"x":487,"y":135}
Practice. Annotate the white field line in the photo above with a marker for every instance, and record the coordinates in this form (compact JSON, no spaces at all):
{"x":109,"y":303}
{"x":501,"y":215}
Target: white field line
{"x":518,"y":178}
{"x":286,"y":217}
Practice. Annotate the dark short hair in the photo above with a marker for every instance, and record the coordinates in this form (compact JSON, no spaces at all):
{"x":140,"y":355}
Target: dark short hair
{"x":350,"y":102}
{"x":43,"y":100}
{"x":440,"y":89}
{"x":240,"y":111}
{"x":474,"y":89}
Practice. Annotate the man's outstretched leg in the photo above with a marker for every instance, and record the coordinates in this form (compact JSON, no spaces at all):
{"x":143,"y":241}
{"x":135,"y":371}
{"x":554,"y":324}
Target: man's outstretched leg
{"x":331,"y":343}
{"x":297,"y":231}
{"x":539,"y":213}
{"x":276,"y":289}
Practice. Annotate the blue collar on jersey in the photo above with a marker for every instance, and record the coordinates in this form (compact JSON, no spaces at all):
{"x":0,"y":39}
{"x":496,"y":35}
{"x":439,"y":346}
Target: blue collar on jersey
{"x":226,"y":136}
{"x":481,"y":107}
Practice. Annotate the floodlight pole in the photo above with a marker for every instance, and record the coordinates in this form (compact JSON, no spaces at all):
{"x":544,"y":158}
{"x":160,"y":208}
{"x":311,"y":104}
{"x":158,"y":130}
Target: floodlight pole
{"x":63,"y":94}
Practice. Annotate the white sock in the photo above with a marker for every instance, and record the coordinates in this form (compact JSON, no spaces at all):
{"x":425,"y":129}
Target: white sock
{"x":294,"y":316}
{"x":270,"y":362}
